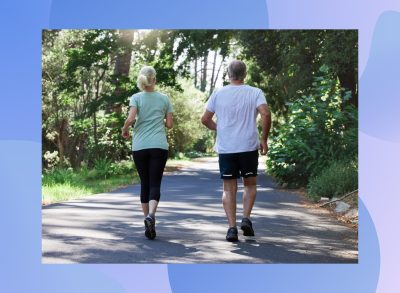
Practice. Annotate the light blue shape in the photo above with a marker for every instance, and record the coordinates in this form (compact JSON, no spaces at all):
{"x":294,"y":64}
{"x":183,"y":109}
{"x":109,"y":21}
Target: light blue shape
{"x":379,"y":85}
{"x":159,"y":14}
{"x":20,"y":224}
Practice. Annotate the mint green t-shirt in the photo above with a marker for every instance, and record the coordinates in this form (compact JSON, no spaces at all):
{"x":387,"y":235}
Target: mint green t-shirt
{"x":149,"y":129}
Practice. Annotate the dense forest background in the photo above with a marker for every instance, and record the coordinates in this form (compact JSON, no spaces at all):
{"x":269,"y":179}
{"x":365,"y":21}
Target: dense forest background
{"x":309,"y":77}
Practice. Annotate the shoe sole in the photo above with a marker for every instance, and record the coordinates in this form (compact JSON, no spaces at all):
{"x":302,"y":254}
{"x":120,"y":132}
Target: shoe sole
{"x":232,"y":239}
{"x":150,"y":232}
{"x":247,"y":230}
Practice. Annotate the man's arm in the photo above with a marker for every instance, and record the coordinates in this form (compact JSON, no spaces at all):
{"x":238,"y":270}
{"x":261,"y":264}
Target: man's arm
{"x":207,"y":120}
{"x":129,"y":121}
{"x":266,"y":126}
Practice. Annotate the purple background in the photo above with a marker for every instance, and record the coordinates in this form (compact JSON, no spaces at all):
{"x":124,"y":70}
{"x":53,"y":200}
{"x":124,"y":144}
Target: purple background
{"x":378,"y":23}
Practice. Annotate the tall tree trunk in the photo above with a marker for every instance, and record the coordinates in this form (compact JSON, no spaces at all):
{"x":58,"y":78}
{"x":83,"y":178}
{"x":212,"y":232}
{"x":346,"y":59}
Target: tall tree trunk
{"x":212,"y":83}
{"x":95,"y":129}
{"x":195,"y":72}
{"x":204,"y":73}
{"x":122,"y":66}
{"x":348,"y":80}
{"x":62,"y":140}
{"x":97,"y":95}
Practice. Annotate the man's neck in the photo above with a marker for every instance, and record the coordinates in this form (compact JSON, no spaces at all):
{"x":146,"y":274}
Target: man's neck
{"x":236,"y":82}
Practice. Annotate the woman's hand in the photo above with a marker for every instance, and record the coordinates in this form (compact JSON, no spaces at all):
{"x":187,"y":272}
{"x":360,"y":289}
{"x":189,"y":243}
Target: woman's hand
{"x":128,"y":122}
{"x":125,"y":132}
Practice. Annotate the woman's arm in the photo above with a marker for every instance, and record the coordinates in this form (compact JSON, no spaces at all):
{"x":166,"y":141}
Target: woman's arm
{"x":129,"y":121}
{"x":169,"y":123}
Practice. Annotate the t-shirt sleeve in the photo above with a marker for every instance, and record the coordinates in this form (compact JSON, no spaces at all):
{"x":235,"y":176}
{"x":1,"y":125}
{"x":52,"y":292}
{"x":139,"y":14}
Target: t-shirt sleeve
{"x":134,"y":101}
{"x":170,"y":108}
{"x":260,"y":98}
{"x":210,"y":105}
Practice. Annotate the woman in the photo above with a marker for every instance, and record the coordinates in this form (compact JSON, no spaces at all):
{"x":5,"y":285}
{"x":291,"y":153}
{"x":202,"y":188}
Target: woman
{"x":153,"y":112}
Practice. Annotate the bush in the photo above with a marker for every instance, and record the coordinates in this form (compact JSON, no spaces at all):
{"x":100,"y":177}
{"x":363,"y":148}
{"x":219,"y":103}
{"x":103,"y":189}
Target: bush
{"x":58,"y":176}
{"x":335,"y":180}
{"x":318,"y":130}
{"x":188,"y":134}
{"x":123,"y":167}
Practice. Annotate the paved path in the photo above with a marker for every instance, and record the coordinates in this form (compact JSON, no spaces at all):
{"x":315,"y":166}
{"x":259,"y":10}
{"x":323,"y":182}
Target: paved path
{"x":191,"y":226}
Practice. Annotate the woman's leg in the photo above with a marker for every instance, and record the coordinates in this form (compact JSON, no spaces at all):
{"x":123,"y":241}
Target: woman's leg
{"x":158,"y":159}
{"x":141,"y":159}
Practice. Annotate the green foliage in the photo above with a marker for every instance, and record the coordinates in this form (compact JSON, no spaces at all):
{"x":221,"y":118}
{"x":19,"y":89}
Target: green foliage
{"x":104,"y":168}
{"x":316,"y":132}
{"x":58,"y":176}
{"x":63,"y":184}
{"x":187,"y":134}
{"x":335,"y":180}
{"x":284,"y":62}
{"x":82,"y":97}
{"x":85,"y":96}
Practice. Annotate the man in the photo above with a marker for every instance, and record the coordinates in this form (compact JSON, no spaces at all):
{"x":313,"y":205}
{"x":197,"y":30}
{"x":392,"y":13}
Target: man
{"x":236,"y":107}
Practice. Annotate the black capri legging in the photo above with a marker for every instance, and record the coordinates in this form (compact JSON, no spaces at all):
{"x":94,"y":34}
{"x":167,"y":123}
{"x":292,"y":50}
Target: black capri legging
{"x":150,"y":164}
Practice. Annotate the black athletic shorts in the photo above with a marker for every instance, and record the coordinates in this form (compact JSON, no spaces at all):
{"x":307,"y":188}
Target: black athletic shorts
{"x":236,"y":165}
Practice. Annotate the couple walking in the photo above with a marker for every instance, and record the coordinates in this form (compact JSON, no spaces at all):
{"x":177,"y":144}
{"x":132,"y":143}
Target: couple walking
{"x":236,"y":107}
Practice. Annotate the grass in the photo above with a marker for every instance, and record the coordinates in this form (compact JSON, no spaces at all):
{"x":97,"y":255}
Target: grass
{"x":79,"y":188}
{"x":65,"y":184}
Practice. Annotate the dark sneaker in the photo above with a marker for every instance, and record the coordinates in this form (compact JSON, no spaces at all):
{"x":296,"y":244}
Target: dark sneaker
{"x":247,"y":227}
{"x":232,"y":235}
{"x":150,"y":230}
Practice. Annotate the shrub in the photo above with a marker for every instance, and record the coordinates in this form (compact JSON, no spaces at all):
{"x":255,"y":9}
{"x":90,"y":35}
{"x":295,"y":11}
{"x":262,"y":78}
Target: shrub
{"x":318,"y":130}
{"x":102,"y":168}
{"x":339,"y":178}
{"x":58,"y":176}
{"x":122,"y":168}
{"x":188,"y":134}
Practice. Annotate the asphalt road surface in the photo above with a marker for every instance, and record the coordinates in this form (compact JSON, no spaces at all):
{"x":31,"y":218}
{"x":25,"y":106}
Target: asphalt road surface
{"x":191,"y":226}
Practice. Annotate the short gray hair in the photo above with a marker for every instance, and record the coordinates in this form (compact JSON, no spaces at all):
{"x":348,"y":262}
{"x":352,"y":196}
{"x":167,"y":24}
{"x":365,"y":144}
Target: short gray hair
{"x":237,"y":70}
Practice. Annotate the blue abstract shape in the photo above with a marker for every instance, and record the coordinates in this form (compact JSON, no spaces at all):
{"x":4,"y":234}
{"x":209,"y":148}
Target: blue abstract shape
{"x":159,"y":14}
{"x":361,"y":277}
{"x":20,"y":224}
{"x":20,"y":75}
{"x":379,"y":84}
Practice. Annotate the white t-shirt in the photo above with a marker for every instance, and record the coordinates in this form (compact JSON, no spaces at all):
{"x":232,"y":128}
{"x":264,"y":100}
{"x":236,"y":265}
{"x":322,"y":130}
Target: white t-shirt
{"x":236,"y":109}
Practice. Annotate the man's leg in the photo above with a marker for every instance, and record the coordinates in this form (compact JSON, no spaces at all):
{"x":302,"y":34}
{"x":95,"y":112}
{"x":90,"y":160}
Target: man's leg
{"x":229,"y":200}
{"x":248,"y":169}
{"x":249,"y":195}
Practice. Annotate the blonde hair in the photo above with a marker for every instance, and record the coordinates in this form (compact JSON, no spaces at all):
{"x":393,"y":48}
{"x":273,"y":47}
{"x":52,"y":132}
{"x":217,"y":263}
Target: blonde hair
{"x":146,"y":77}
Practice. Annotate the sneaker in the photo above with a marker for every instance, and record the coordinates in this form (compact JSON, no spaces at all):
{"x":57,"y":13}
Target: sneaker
{"x":247,"y":227}
{"x":150,"y":231}
{"x":232,"y":234}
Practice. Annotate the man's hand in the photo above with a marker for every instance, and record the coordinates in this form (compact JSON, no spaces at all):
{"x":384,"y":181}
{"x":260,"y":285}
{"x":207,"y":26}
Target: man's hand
{"x":263,"y":109}
{"x":263,"y":147}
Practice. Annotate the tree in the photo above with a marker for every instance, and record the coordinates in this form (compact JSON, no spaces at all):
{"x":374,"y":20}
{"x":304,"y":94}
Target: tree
{"x":121,"y":70}
{"x":283,"y":63}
